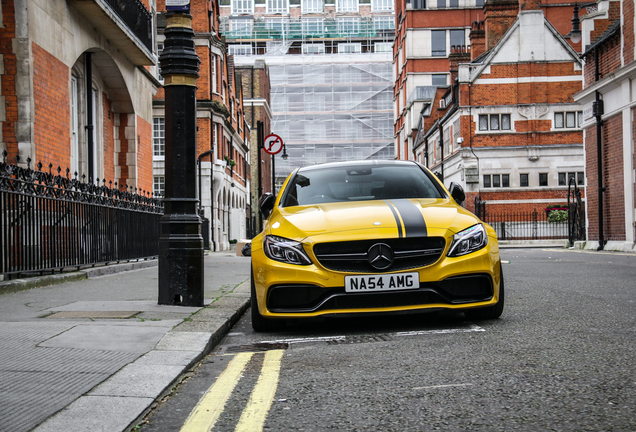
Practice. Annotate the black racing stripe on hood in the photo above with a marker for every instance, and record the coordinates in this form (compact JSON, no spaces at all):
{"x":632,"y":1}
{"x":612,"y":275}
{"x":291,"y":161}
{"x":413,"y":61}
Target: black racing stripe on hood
{"x":397,"y":218}
{"x":414,"y":224}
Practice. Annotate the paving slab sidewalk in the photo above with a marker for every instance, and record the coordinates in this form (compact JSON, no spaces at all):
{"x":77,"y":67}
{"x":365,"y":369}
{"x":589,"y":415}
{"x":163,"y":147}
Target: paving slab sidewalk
{"x":95,"y":351}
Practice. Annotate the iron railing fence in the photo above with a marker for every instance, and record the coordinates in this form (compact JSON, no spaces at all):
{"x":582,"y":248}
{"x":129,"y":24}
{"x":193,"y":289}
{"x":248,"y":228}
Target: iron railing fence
{"x":138,"y":19}
{"x":520,"y":225}
{"x":526,"y":226}
{"x":50,"y":222}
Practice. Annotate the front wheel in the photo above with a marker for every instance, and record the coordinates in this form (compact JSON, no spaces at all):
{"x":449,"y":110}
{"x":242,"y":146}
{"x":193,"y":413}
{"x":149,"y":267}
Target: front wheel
{"x":490,"y":312}
{"x":259,"y":322}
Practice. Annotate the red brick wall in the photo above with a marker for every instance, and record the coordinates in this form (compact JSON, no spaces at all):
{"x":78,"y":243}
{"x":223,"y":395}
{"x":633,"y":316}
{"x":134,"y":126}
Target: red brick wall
{"x":628,"y":31}
{"x":7,"y":89}
{"x":613,"y":198}
{"x":613,"y":178}
{"x":108,"y":121}
{"x":120,"y":158}
{"x":52,"y":109}
{"x":144,"y":155}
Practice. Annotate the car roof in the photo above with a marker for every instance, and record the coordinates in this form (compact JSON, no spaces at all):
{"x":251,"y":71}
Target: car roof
{"x":357,"y":163}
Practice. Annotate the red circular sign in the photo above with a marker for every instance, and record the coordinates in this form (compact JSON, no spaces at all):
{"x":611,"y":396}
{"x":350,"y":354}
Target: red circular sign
{"x":273,"y":144}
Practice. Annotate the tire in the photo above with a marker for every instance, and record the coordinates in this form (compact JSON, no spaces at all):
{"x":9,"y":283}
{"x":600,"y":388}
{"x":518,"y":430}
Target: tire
{"x":490,"y":312}
{"x":259,"y":322}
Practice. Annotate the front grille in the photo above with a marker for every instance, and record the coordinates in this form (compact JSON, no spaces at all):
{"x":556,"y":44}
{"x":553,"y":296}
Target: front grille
{"x":351,"y":256}
{"x":310,"y":298}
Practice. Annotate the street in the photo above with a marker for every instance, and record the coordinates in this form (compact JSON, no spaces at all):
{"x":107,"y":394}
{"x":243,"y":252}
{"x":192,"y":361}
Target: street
{"x":560,"y":358}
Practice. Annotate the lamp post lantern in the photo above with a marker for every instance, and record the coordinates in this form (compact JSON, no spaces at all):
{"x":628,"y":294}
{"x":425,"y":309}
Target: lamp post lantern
{"x":180,"y":243}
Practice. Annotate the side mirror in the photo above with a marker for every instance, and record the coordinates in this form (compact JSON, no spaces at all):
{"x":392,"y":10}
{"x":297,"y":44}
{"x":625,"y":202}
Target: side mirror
{"x":457,"y":192}
{"x":266,"y":204}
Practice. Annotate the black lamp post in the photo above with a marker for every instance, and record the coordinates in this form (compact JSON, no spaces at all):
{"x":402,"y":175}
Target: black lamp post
{"x":284,"y":155}
{"x":180,"y":244}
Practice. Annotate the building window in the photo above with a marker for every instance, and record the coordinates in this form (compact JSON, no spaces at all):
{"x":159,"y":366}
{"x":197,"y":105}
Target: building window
{"x":311,"y":6}
{"x":567,"y":120}
{"x":159,"y":186}
{"x":240,"y":49}
{"x":496,"y":180}
{"x":383,"y":47}
{"x":276,"y":26}
{"x":438,"y":43}
{"x":523,"y":180}
{"x":381,"y":5}
{"x":479,"y":3}
{"x":347,"y":5}
{"x":543,"y":179}
{"x":242,"y":6}
{"x":277,"y":6}
{"x":383,"y":23}
{"x":348,"y":26}
{"x":494,"y":122}
{"x":564,"y":178}
{"x":439,"y":80}
{"x":313,"y":48}
{"x":418,"y":4}
{"x":159,"y":136}
{"x":441,"y":4}
{"x":453,"y":3}
{"x":241,"y":27}
{"x":159,"y":51}
{"x":349,"y":48}
{"x":458,"y":38}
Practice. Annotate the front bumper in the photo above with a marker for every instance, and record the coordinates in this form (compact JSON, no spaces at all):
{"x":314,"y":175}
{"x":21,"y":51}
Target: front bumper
{"x":291,"y":291}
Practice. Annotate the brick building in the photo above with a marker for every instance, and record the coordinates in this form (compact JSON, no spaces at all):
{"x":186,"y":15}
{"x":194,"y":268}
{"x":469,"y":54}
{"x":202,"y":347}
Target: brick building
{"x":609,"y":123}
{"x":221,"y":127}
{"x":508,"y":130}
{"x":255,"y":80}
{"x":76,"y":88}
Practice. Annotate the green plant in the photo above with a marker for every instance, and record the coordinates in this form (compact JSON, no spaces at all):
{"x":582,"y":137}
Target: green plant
{"x":558,"y":216}
{"x":233,"y":241}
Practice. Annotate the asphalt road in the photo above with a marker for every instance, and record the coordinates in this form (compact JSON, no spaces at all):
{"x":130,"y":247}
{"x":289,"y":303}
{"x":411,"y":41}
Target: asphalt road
{"x":560,"y":358}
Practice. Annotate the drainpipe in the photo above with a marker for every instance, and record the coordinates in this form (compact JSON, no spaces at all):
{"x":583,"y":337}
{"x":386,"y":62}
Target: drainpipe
{"x":441,"y":141}
{"x":598,"y":110}
{"x":89,"y":115}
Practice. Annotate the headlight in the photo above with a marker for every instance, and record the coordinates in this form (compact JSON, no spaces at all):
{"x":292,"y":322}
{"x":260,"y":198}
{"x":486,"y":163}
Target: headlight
{"x":285,"y":250}
{"x":468,"y":241}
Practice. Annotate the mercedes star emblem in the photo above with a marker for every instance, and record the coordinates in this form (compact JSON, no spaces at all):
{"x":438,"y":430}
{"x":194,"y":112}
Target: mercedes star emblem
{"x":380,"y":256}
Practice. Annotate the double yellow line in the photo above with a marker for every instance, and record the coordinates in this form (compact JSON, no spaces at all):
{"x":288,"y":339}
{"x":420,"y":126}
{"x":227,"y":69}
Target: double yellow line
{"x":210,"y":406}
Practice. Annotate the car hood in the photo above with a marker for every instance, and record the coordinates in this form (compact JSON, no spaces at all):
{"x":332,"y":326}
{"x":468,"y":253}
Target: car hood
{"x":372,"y":219}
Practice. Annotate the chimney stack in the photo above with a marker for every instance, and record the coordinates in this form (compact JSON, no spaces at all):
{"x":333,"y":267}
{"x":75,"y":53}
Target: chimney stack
{"x":477,"y":39}
{"x":529,"y":5}
{"x":500,"y":15}
{"x":459,"y":54}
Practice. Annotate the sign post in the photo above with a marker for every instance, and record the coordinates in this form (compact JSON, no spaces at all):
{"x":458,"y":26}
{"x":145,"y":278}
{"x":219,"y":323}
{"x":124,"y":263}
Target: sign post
{"x":272,"y":145}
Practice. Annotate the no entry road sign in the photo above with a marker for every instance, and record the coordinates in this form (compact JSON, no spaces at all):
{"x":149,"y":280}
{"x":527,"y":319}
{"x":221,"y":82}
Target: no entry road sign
{"x":273,"y":144}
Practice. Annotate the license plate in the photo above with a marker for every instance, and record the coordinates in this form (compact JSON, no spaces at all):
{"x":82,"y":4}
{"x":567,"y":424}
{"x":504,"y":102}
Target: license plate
{"x":384,"y":282}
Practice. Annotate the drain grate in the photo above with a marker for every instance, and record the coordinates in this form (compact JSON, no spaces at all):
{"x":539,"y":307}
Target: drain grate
{"x":255,"y":347}
{"x":361,"y":339}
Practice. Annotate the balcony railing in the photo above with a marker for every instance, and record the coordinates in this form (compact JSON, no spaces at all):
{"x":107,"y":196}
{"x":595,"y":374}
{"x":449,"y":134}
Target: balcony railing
{"x":137,"y":18}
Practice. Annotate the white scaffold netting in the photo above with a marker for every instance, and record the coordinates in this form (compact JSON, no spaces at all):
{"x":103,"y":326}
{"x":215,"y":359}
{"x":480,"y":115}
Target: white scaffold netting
{"x":330,"y":111}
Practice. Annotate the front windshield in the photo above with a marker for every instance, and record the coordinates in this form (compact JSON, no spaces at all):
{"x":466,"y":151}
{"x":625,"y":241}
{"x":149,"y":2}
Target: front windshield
{"x":359,"y":183}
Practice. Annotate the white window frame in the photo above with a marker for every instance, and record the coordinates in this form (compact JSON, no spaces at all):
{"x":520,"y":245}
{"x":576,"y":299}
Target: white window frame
{"x":158,"y":138}
{"x":277,"y":6}
{"x":350,"y":48}
{"x":382,"y":5}
{"x":578,"y":117}
{"x":313,"y":48}
{"x":383,"y":19}
{"x":242,"y":7}
{"x":383,"y":47}
{"x":499,"y":120}
{"x":348,"y":25}
{"x":347,"y":6}
{"x":239,"y":50}
{"x":312,"y":6}
{"x":74,"y":126}
{"x":241,"y":27}
{"x":159,"y":186}
{"x":277,"y":23}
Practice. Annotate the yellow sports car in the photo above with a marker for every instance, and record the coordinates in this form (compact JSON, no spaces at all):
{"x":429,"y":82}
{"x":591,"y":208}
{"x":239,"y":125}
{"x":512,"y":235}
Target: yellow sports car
{"x":369,"y":237}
